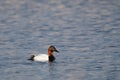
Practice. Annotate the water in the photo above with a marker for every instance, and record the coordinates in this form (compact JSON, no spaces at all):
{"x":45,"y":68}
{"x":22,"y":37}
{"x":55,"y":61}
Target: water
{"x":86,"y":32}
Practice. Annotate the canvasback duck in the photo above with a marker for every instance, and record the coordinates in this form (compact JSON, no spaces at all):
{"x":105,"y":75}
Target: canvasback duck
{"x":44,"y":57}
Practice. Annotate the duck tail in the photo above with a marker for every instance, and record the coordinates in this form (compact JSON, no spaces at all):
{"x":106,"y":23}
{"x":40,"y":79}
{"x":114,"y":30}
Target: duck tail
{"x":32,"y":57}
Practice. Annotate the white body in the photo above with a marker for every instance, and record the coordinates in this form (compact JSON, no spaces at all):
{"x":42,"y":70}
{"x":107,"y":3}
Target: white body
{"x":41,"y":57}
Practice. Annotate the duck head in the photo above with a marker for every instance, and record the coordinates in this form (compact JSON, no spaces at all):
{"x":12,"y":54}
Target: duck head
{"x":52,"y":49}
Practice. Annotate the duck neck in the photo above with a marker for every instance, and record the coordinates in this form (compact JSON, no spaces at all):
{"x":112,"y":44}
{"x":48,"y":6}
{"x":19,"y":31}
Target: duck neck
{"x":50,"y":53}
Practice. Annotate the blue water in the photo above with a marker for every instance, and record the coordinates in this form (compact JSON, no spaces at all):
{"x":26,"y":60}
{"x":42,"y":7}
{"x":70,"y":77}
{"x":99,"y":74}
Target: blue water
{"x":86,"y":32}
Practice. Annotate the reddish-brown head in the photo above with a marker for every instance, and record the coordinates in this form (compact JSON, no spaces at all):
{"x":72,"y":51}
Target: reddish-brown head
{"x":52,"y":49}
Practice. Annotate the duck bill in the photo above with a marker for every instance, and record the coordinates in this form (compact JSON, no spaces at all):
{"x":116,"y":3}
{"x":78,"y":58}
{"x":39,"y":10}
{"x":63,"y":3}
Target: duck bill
{"x":56,"y":51}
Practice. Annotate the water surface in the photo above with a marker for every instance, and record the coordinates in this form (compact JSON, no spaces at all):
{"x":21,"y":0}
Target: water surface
{"x":86,"y":32}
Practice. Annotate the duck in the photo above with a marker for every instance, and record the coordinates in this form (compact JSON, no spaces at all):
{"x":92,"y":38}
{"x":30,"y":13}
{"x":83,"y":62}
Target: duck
{"x":45,"y":57}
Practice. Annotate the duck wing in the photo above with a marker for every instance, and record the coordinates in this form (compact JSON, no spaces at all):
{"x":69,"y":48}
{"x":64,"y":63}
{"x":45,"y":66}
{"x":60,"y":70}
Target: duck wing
{"x":41,"y":58}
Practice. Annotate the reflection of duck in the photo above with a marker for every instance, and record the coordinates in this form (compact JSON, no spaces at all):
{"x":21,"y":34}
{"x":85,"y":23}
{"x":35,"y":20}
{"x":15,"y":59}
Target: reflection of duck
{"x":43,"y":57}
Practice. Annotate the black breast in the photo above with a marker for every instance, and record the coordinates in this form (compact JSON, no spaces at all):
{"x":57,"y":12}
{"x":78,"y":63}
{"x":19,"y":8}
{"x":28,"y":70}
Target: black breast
{"x":51,"y":58}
